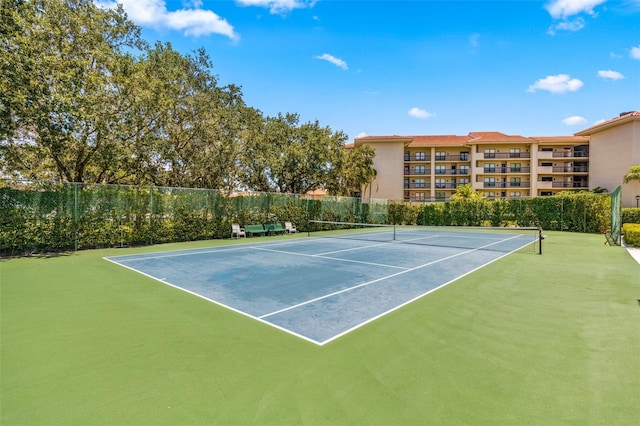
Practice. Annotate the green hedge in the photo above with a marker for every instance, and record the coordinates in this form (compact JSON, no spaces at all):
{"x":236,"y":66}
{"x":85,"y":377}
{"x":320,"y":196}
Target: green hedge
{"x":50,"y":217}
{"x":631,"y":234}
{"x":631,"y":215}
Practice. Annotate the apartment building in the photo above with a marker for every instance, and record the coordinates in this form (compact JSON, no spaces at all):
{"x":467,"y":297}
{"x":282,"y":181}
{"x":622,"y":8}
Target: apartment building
{"x":419,"y":169}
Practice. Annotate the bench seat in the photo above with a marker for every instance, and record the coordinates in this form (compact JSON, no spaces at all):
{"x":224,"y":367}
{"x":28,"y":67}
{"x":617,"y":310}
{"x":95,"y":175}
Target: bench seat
{"x":275,"y":228}
{"x":255,"y":229}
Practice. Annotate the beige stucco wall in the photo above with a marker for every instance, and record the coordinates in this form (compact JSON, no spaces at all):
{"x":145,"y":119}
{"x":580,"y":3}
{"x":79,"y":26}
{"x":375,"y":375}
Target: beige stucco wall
{"x":389,"y":165}
{"x":612,"y":152}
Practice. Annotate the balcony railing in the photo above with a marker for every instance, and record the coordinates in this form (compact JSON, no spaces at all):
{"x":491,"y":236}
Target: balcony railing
{"x":452,"y":172}
{"x":504,"y":170}
{"x":452,"y":157}
{"x":570,"y":185}
{"x":414,"y":157}
{"x":426,"y":200}
{"x":570,"y":154}
{"x":417,"y":185}
{"x":571,"y":169}
{"x":489,"y":155}
{"x":507,"y":184}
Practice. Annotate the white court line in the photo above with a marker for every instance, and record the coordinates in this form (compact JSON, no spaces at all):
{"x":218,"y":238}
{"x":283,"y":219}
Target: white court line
{"x":381,"y":279}
{"x":328,"y":257}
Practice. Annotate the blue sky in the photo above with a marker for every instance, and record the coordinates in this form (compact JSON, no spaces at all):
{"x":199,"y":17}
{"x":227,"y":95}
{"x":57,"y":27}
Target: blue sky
{"x":534,"y":68}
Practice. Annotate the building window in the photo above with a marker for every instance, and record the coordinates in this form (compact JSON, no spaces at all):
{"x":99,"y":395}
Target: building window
{"x":441,"y":170}
{"x":514,"y":194}
{"x":419,"y":196}
{"x":489,"y":153}
{"x":440,"y":183}
{"x":514,"y":181}
{"x":440,"y":155}
{"x":546,"y":193}
{"x":464,"y":170}
{"x":464,"y":156}
{"x":440,"y":196}
{"x":546,"y":164}
{"x":407,"y":156}
{"x":406,"y":184}
{"x":514,"y":153}
{"x":463,"y":181}
{"x":419,"y":170}
{"x":419,"y":183}
{"x":546,"y":179}
{"x":489,"y":168}
{"x":515,"y":167}
{"x":546,"y":149}
{"x":420,"y":156}
{"x":489,"y":182}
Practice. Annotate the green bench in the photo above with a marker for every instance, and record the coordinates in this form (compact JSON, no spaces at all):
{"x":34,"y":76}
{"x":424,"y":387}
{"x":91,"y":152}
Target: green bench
{"x":275,"y":228}
{"x":254,"y":229}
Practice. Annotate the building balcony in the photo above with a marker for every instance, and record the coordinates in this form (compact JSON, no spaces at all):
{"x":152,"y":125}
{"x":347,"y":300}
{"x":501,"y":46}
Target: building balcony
{"x":571,"y":169}
{"x":506,"y":184}
{"x":548,"y":155}
{"x":501,"y":155}
{"x":460,"y":172}
{"x":425,"y":200}
{"x":452,"y":157}
{"x":414,"y":157}
{"x":502,"y":170}
{"x":417,"y":172}
{"x":570,"y":185}
{"x":426,"y":185}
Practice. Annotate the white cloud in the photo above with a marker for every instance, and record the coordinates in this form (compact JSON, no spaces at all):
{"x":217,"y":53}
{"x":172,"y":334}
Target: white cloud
{"x":566,"y":10}
{"x":574,"y":120}
{"x":560,"y":83}
{"x":362,"y":135}
{"x":191,"y":18}
{"x":575,"y":25}
{"x":562,"y":9}
{"x":278,"y":6}
{"x":610,"y":75}
{"x":419,"y":113}
{"x":335,"y":61}
{"x":635,"y":52}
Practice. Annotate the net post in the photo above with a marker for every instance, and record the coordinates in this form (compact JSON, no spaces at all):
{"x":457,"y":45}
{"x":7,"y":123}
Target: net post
{"x":540,"y":238}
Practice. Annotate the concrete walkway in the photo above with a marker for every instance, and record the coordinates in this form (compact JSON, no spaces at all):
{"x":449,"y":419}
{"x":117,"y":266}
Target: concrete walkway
{"x":634,"y":252}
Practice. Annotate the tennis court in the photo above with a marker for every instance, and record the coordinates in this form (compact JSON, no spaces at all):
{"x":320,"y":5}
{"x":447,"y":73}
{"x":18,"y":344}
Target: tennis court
{"x":321,"y":288}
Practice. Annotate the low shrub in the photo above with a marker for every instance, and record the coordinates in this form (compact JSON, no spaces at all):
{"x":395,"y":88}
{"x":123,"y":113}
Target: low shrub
{"x":631,"y":234}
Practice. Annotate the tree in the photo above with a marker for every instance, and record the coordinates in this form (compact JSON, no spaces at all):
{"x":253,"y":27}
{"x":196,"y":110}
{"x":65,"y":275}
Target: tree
{"x":466,"y":192}
{"x":633,"y":174}
{"x":354,"y":172}
{"x":57,"y":90}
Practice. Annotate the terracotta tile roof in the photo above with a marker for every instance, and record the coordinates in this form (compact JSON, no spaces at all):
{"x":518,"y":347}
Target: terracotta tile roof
{"x":350,"y":145}
{"x":492,"y":137}
{"x":438,"y":140}
{"x":624,"y":117}
{"x":380,"y":138}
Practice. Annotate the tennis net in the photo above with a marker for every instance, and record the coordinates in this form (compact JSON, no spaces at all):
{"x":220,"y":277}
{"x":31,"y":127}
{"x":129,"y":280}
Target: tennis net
{"x":464,"y":237}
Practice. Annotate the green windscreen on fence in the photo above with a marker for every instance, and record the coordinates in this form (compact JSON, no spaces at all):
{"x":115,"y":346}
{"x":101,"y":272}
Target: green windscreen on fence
{"x":616,"y":215}
{"x":37,"y":217}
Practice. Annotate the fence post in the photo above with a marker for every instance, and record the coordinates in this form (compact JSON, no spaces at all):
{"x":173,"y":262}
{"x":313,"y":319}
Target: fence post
{"x":75,"y":215}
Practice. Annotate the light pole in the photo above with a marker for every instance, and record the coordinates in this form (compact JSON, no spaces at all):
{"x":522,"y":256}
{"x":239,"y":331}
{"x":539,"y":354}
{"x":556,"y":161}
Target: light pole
{"x":637,"y":201}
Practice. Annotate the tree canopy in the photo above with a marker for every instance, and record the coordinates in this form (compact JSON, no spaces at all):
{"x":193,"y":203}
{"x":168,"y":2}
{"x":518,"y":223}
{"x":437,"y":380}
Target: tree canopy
{"x":83,"y":98}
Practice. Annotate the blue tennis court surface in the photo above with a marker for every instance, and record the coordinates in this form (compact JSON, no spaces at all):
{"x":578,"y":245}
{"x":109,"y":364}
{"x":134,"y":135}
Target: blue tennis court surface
{"x":321,"y":288}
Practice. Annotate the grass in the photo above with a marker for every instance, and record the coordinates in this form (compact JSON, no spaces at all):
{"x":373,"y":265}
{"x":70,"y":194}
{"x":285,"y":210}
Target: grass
{"x":529,"y":339}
